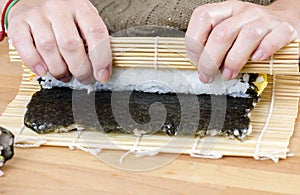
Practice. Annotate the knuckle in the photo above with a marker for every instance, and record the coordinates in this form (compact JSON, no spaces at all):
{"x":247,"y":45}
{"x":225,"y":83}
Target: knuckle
{"x":46,"y":44}
{"x":70,"y":44}
{"x":202,"y":12}
{"x":289,"y":28}
{"x":98,"y":29}
{"x":222,"y":33}
{"x":253,"y":31}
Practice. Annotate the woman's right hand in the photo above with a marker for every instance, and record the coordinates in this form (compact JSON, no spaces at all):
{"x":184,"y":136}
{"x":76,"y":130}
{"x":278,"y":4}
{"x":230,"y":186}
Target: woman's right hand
{"x":50,"y":36}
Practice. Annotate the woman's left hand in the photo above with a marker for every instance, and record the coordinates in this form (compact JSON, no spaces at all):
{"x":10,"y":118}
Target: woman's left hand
{"x":222,"y":36}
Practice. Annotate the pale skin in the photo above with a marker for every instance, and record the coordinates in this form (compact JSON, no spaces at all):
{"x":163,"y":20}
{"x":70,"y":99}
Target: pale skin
{"x":50,"y":36}
{"x":222,"y":36}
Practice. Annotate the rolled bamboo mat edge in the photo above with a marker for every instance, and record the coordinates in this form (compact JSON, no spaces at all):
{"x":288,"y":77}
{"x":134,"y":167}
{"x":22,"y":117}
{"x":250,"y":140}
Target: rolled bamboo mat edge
{"x":170,"y":53}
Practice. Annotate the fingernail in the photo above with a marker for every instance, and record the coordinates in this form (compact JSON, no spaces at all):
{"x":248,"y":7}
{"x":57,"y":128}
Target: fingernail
{"x":103,"y":75}
{"x":205,"y":78}
{"x":227,"y":73}
{"x":40,"y":70}
{"x":258,"y":55}
{"x":88,"y":81}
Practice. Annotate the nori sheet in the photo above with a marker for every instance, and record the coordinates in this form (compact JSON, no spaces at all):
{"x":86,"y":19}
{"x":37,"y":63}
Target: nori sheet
{"x":51,"y":109}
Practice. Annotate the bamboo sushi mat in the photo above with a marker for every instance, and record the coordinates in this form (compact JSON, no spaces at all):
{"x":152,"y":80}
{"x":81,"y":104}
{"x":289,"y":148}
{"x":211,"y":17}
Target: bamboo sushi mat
{"x":170,"y":52}
{"x":273,"y":121}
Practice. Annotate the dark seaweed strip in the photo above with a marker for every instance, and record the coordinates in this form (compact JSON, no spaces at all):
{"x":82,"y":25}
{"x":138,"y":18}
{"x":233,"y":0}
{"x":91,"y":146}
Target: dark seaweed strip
{"x":50,"y":109}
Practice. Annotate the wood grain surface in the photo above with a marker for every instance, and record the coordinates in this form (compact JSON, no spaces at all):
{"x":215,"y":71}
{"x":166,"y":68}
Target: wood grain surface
{"x":52,"y":170}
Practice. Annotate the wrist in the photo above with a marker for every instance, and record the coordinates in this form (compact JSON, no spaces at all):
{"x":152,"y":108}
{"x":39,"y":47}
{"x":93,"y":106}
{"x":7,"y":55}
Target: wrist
{"x":287,"y":11}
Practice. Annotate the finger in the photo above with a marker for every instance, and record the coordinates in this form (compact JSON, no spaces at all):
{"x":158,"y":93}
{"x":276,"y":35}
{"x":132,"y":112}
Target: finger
{"x":219,"y":43}
{"x":22,"y":40}
{"x":72,"y":48}
{"x":202,"y":21}
{"x":98,"y":41}
{"x":247,"y":41}
{"x":282,"y":34}
{"x":45,"y":43}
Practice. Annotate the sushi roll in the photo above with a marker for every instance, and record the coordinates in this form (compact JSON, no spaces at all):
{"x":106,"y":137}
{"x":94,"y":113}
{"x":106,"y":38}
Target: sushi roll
{"x":6,"y":145}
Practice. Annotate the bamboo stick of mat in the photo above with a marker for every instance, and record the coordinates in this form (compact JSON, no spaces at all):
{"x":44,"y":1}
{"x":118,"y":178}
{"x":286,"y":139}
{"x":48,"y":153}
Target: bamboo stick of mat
{"x":170,"y":53}
{"x":272,"y":119}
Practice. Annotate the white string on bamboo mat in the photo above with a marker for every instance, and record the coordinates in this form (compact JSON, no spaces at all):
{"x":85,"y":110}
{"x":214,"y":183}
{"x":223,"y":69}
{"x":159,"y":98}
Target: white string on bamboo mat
{"x":28,"y":142}
{"x":136,"y":150}
{"x":272,"y":64}
{"x":207,"y":155}
{"x":291,"y":154}
{"x":260,"y":155}
{"x":156,"y":52}
{"x":74,"y":145}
